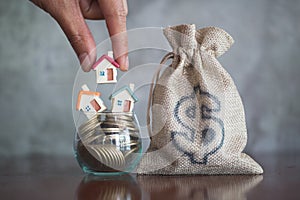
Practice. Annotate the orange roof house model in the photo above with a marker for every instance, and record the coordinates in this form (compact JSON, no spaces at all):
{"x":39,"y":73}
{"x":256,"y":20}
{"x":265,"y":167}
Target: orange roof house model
{"x":89,"y":102}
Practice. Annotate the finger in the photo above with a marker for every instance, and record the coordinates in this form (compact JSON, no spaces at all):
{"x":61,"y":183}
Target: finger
{"x":115,"y":12}
{"x":73,"y":24}
{"x":90,"y":9}
{"x":39,"y":4}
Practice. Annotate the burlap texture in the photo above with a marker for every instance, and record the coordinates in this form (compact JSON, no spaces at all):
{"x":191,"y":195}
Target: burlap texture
{"x":198,"y":119}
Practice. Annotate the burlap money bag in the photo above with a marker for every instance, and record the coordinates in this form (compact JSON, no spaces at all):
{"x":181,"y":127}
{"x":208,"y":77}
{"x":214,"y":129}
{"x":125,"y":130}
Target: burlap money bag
{"x":198,"y":120}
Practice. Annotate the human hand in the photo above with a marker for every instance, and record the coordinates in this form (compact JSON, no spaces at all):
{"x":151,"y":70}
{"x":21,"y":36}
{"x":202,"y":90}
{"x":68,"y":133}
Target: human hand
{"x":71,"y":15}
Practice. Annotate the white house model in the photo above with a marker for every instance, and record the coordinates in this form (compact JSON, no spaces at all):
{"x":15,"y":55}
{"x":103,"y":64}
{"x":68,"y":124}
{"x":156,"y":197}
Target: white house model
{"x":106,"y":69}
{"x":89,"y":102}
{"x":123,"y":100}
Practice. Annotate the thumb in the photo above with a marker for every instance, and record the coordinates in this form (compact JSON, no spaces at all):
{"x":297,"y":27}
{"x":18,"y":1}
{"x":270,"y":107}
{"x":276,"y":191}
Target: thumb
{"x":74,"y":26}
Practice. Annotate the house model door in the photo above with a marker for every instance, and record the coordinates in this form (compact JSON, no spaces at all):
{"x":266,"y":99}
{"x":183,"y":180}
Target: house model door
{"x":126,"y":107}
{"x":95,"y":104}
{"x":110,"y":74}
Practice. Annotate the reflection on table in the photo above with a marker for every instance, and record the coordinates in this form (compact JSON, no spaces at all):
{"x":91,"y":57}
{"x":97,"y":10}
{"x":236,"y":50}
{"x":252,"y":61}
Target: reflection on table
{"x":198,"y":187}
{"x":108,"y":188}
{"x":166,"y":187}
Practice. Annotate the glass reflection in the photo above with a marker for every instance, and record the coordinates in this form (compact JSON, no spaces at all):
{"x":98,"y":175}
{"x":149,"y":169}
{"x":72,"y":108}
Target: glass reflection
{"x":198,"y":187}
{"x":108,"y":188}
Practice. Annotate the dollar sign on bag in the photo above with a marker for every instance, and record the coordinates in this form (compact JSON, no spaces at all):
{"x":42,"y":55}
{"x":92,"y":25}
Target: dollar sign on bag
{"x":212,"y":128}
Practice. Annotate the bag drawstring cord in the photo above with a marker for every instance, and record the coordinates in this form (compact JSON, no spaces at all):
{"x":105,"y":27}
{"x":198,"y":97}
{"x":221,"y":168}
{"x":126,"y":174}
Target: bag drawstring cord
{"x":155,"y":78}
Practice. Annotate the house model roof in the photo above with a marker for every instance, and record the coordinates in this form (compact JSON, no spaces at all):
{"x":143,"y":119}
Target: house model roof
{"x":127,"y":88}
{"x":111,"y":60}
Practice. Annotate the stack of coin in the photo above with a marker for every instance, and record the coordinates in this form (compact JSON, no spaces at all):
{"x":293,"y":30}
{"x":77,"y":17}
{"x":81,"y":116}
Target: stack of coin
{"x":108,"y":155}
{"x":111,"y":138}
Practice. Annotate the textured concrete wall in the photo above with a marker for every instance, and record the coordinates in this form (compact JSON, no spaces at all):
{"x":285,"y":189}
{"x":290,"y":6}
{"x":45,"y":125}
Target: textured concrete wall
{"x":37,"y":64}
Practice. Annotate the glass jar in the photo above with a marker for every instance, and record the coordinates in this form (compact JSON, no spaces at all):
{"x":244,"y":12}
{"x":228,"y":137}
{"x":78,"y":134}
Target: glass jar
{"x":108,"y":143}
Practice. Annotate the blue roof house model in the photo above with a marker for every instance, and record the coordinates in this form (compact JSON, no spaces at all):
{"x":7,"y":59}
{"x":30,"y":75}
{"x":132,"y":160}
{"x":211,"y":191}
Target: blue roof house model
{"x":123,"y":100}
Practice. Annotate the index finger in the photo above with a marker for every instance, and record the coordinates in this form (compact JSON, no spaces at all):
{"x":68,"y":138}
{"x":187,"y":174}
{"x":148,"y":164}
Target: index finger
{"x":115,"y":12}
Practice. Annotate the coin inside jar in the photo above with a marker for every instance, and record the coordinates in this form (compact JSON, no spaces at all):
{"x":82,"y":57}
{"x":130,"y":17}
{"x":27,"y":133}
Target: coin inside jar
{"x":111,"y":138}
{"x":108,"y":155}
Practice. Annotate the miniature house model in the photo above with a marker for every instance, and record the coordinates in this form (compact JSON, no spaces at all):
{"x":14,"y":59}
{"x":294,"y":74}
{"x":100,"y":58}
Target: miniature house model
{"x":123,"y":100}
{"x":106,"y":69}
{"x":89,"y":102}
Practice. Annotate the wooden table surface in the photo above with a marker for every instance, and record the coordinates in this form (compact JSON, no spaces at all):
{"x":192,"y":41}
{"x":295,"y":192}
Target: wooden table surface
{"x":47,"y":177}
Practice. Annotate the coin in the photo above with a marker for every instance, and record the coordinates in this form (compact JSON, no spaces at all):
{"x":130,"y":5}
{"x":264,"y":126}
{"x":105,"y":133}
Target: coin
{"x":110,"y":156}
{"x":130,"y":152}
{"x":118,"y":118}
{"x":114,"y":124}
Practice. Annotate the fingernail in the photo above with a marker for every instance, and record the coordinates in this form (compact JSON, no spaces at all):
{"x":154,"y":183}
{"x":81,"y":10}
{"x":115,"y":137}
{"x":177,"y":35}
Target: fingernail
{"x":85,"y":62}
{"x":127,"y":63}
{"x":125,"y":7}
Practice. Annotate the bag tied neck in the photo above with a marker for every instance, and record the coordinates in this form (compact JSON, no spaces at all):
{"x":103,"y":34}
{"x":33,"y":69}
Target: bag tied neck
{"x":186,"y":39}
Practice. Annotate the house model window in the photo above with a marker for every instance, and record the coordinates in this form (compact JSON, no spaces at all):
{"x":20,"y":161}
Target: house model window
{"x":119,"y":103}
{"x":123,"y":100}
{"x":106,"y":69}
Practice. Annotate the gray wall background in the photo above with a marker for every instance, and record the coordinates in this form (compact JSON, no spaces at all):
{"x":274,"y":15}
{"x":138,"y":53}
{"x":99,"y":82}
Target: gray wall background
{"x":37,"y":65}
